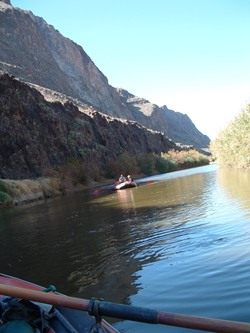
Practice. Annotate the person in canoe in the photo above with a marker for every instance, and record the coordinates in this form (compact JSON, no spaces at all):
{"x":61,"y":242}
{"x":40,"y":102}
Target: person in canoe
{"x":130,"y":179}
{"x":122,"y":179}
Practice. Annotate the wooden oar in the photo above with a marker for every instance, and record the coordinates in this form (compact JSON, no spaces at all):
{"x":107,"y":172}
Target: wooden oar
{"x":128,"y":312}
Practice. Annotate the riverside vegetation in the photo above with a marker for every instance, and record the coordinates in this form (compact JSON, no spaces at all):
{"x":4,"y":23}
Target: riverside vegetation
{"x":72,"y":174}
{"x":49,"y":148}
{"x":231,"y":148}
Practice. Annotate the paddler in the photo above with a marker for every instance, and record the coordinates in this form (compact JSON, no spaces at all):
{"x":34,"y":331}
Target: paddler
{"x":130,"y":179}
{"x":122,"y":179}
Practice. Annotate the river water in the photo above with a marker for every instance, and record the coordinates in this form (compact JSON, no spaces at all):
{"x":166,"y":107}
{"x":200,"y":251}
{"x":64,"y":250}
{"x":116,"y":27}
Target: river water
{"x":181,"y":244}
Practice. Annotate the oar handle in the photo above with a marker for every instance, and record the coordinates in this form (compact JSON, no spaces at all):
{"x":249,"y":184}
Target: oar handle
{"x":49,"y":298}
{"x":128,"y":312}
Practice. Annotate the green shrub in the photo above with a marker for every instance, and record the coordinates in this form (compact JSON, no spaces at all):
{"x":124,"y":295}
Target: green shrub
{"x":72,"y":171}
{"x":161,"y":165}
{"x":5,"y":199}
{"x":127,"y":164}
{"x":112,"y":169}
{"x":3,"y":187}
{"x":189,"y":162}
{"x":164,"y":165}
{"x":172,"y":165}
{"x":146,"y":163}
{"x":96,"y":174}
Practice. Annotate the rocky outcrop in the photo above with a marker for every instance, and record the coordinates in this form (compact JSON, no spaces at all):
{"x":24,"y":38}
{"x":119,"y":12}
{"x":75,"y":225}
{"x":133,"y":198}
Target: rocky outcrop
{"x":37,"y":134}
{"x":37,"y":53}
{"x":24,"y":52}
{"x":86,"y":80}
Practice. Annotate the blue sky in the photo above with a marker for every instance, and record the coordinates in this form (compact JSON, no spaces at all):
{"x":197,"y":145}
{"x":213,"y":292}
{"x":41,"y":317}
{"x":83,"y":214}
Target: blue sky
{"x":192,"y":55}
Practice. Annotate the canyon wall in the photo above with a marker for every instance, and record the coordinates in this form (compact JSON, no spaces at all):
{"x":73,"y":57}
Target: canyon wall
{"x":38,"y":54}
{"x":37,"y":135}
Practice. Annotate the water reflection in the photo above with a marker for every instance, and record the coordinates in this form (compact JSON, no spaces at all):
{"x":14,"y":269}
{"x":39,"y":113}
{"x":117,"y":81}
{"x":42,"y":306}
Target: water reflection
{"x":235,"y":183}
{"x":89,"y":242}
{"x":154,"y":223}
{"x":127,"y":202}
{"x":125,"y":245}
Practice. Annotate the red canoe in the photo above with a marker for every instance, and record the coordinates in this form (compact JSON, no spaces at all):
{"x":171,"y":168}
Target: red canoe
{"x":25,"y":316}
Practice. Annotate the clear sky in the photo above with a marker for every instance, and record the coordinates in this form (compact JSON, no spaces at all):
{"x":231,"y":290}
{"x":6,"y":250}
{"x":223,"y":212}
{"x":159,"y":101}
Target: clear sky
{"x":192,"y":55}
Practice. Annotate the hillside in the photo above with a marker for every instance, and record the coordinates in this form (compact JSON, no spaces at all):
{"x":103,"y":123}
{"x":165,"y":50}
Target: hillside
{"x":175,"y":125}
{"x":38,"y":54}
{"x":37,"y":135}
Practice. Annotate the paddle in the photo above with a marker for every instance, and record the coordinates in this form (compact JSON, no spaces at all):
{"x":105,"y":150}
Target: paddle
{"x":103,"y":188}
{"x":127,"y":312}
{"x":144,"y":182}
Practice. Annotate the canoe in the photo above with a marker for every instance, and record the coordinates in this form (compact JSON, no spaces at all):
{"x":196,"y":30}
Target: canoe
{"x":123,"y":186}
{"x":58,"y":319}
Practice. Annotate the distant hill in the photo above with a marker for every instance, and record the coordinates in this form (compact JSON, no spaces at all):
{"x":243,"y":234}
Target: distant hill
{"x":175,"y":125}
{"x":37,"y":53}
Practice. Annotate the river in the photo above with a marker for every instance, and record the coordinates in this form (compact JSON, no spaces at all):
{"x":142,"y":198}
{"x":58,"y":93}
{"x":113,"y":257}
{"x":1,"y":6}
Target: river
{"x":181,"y":244}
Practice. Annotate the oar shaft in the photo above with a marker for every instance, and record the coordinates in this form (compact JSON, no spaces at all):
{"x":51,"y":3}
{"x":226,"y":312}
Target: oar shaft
{"x":158,"y":317}
{"x":128,"y":312}
{"x":49,"y":298}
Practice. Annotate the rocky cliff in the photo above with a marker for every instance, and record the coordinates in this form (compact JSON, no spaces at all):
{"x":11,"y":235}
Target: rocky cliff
{"x":37,"y":134}
{"x":37,"y":53}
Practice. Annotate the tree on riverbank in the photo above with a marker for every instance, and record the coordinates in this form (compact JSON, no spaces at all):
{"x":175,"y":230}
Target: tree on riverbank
{"x":232,"y":146}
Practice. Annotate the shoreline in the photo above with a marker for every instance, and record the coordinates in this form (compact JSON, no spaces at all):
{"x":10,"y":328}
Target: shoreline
{"x":19,"y":192}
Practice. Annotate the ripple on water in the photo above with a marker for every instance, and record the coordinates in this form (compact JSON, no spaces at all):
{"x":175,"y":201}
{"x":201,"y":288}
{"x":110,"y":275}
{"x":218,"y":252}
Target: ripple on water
{"x":180,"y":245}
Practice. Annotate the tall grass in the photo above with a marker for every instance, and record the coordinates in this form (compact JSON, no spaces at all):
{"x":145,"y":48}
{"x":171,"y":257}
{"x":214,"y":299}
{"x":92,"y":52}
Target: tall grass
{"x":232,"y":146}
{"x":16,"y":191}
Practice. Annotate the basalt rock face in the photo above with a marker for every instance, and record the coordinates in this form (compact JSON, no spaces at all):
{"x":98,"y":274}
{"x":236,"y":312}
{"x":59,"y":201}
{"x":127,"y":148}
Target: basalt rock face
{"x":37,"y":53}
{"x":24,"y":52}
{"x":37,"y":134}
